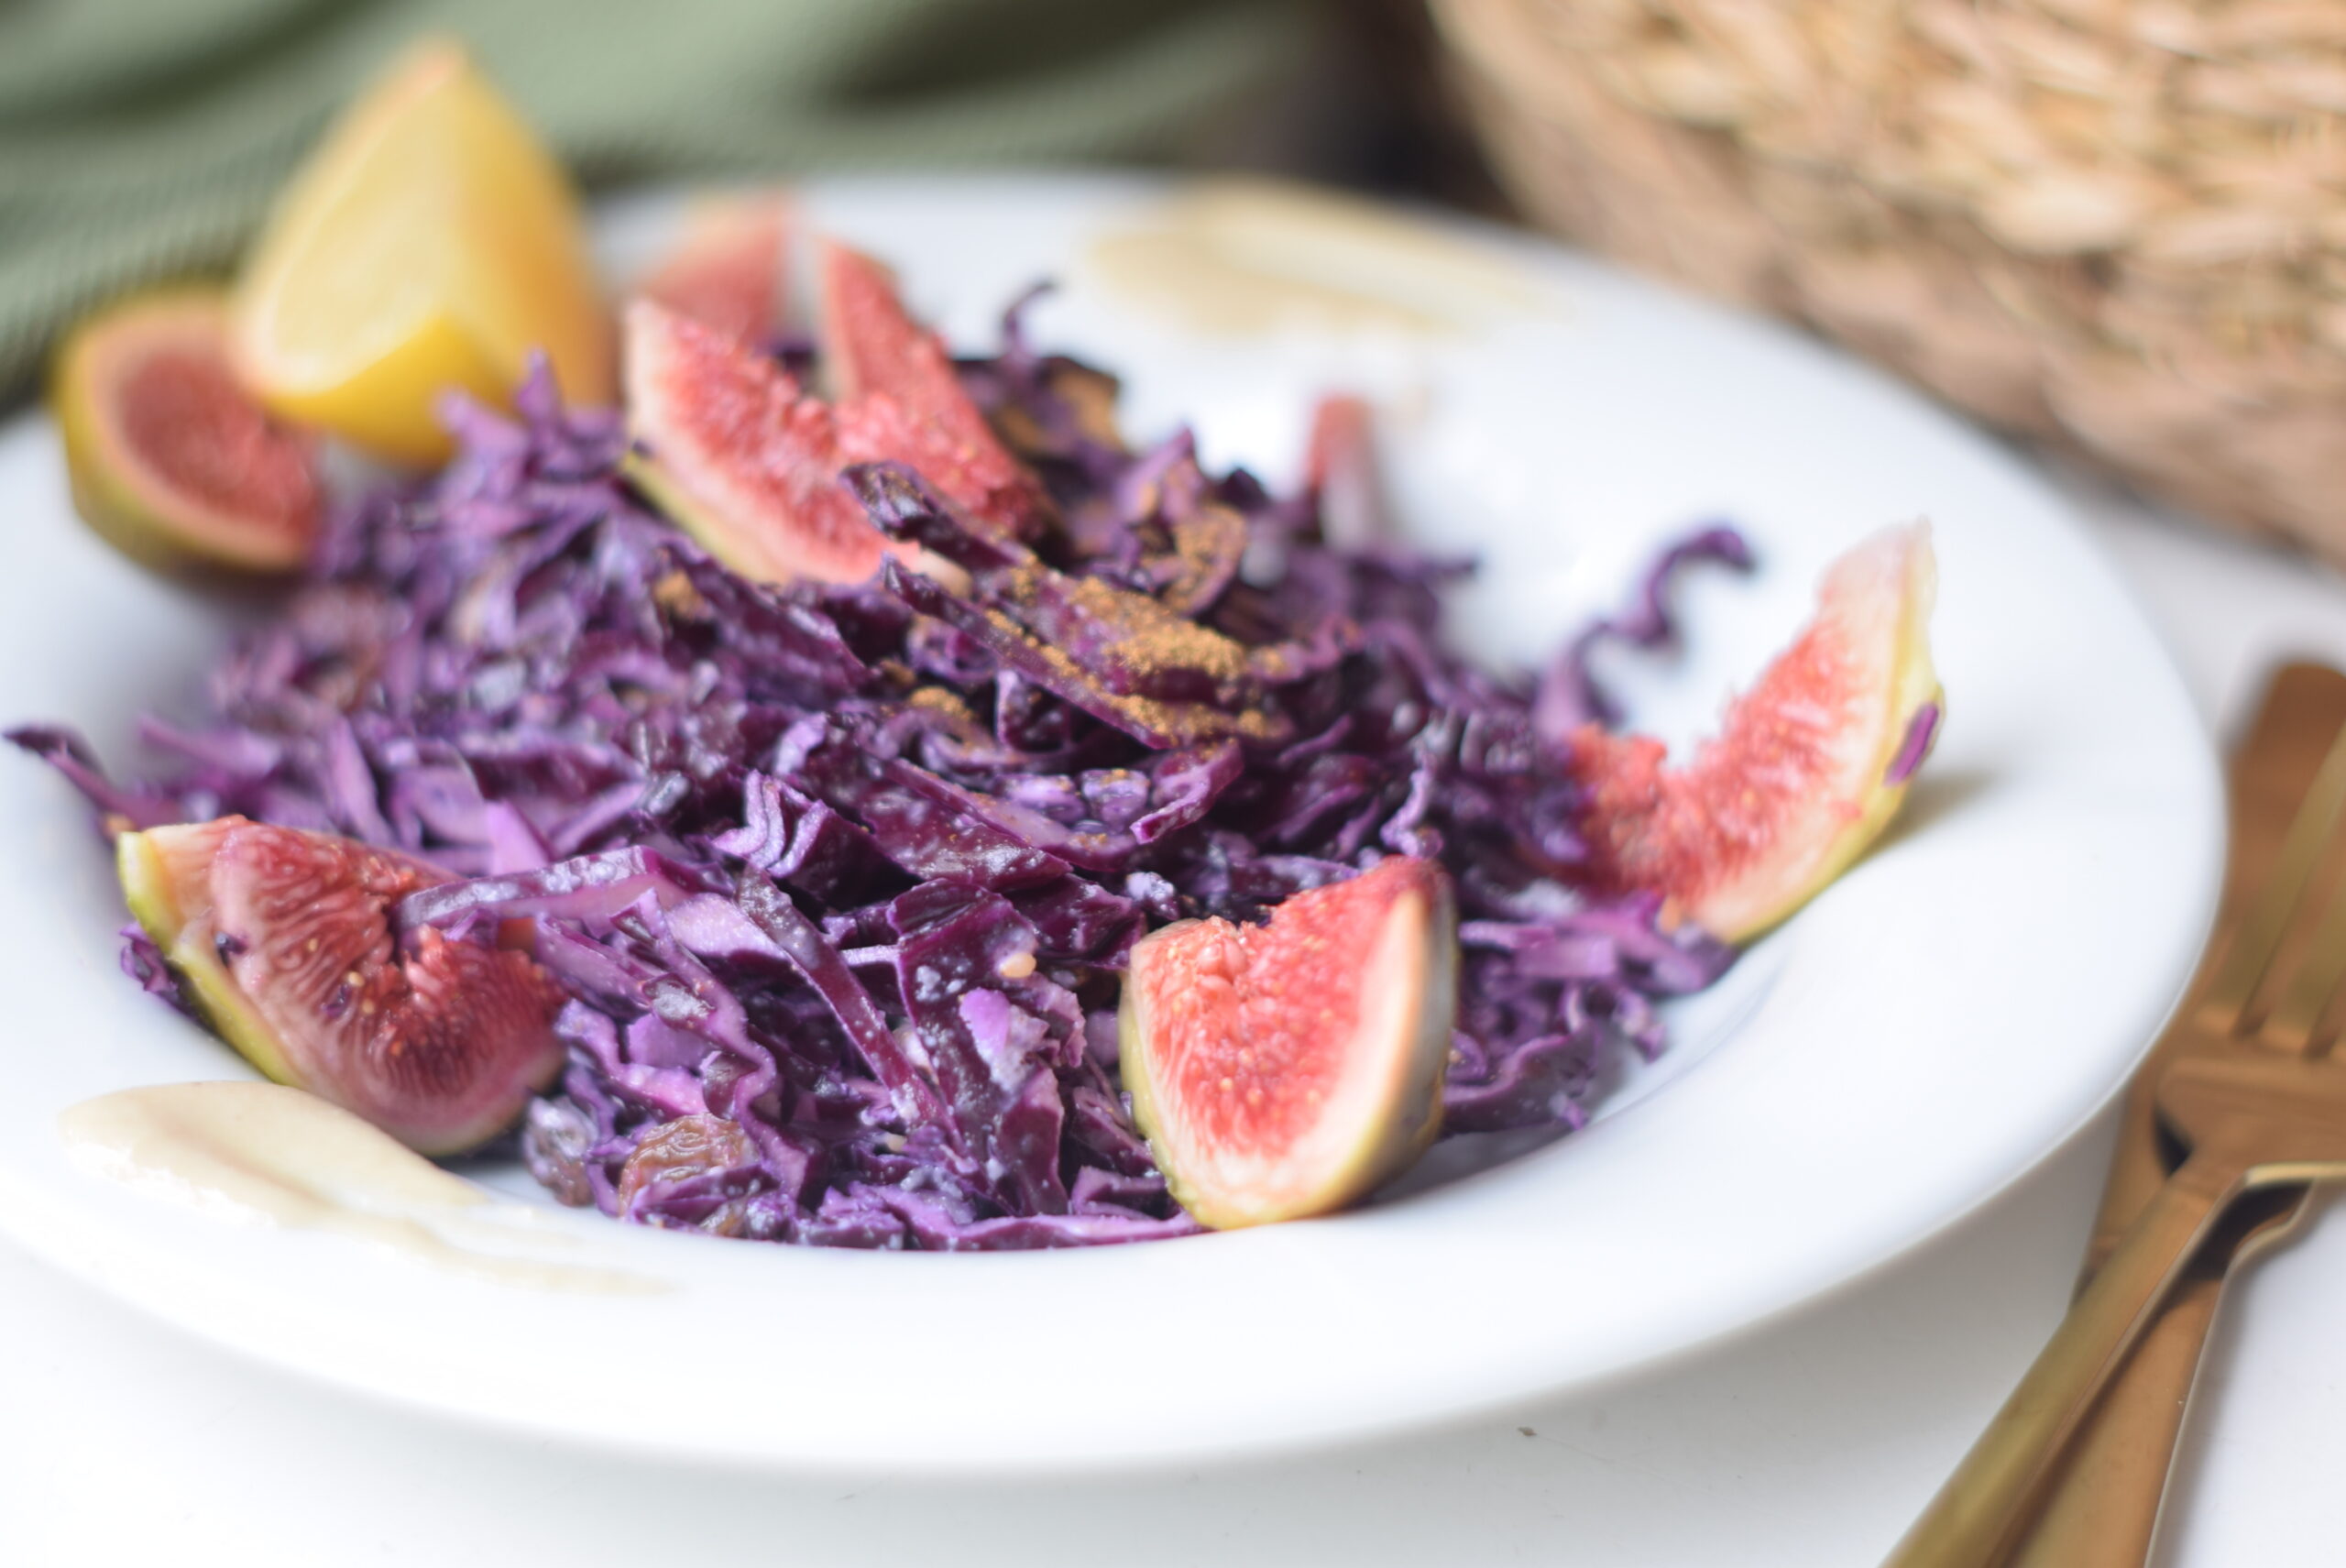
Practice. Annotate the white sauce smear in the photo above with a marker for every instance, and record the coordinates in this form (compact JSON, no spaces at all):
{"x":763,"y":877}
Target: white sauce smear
{"x":262,"y":1153}
{"x":1249,"y":256}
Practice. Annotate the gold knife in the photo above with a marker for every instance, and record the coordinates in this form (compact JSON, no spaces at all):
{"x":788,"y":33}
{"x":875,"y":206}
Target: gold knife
{"x":2103,"y":1509}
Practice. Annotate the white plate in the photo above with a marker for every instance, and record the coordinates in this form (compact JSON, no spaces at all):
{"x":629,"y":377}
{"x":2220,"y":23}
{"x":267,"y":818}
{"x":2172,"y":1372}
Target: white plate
{"x":1939,"y":1020}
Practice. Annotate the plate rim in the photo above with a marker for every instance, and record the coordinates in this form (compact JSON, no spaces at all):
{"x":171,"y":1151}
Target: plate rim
{"x":53,"y":1237}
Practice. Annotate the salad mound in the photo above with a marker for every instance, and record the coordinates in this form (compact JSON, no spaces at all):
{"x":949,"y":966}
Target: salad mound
{"x":840,"y":881}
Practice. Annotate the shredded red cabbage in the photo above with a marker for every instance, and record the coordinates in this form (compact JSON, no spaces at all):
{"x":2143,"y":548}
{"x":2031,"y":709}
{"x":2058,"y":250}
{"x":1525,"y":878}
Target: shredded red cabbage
{"x":840,"y":880}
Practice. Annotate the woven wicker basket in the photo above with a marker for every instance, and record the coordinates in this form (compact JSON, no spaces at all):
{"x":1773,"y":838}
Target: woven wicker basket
{"x":2117,"y":225}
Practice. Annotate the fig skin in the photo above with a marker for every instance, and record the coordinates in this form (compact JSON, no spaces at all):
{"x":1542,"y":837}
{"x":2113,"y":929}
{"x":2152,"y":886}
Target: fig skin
{"x":154,"y":871}
{"x":390,"y":1047}
{"x":1412,"y":966}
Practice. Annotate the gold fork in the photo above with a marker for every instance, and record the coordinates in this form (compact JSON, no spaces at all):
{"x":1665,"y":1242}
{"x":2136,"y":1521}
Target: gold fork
{"x":2103,"y":1505}
{"x":2252,"y":1120}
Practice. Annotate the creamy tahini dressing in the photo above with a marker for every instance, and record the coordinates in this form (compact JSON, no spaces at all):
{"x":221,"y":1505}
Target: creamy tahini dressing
{"x":1244,"y":256}
{"x":263,"y":1154}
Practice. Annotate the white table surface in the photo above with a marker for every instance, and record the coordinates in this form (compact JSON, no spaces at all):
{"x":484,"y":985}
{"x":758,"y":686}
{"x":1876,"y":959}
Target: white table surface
{"x":1808,"y":1442}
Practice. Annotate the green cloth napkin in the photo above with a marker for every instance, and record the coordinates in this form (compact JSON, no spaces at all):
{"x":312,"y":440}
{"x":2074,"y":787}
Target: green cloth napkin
{"x":142,"y":139}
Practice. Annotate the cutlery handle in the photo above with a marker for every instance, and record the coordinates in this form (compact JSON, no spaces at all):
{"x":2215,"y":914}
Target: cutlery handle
{"x":2107,"y":1495}
{"x":2104,"y":1508}
{"x":1978,"y":1512}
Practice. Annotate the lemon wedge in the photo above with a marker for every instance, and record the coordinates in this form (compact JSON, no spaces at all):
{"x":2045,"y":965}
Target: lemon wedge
{"x":429,"y":242}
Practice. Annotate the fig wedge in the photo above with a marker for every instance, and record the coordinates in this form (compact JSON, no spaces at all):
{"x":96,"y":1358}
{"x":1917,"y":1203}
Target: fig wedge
{"x":1809,"y":767}
{"x":728,"y":444}
{"x":283,"y":939}
{"x":1289,"y":1068}
{"x":171,"y":460}
{"x":727,"y":271}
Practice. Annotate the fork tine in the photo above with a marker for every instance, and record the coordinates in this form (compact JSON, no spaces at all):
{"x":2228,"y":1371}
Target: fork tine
{"x":2259,"y":937}
{"x":2309,"y":991}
